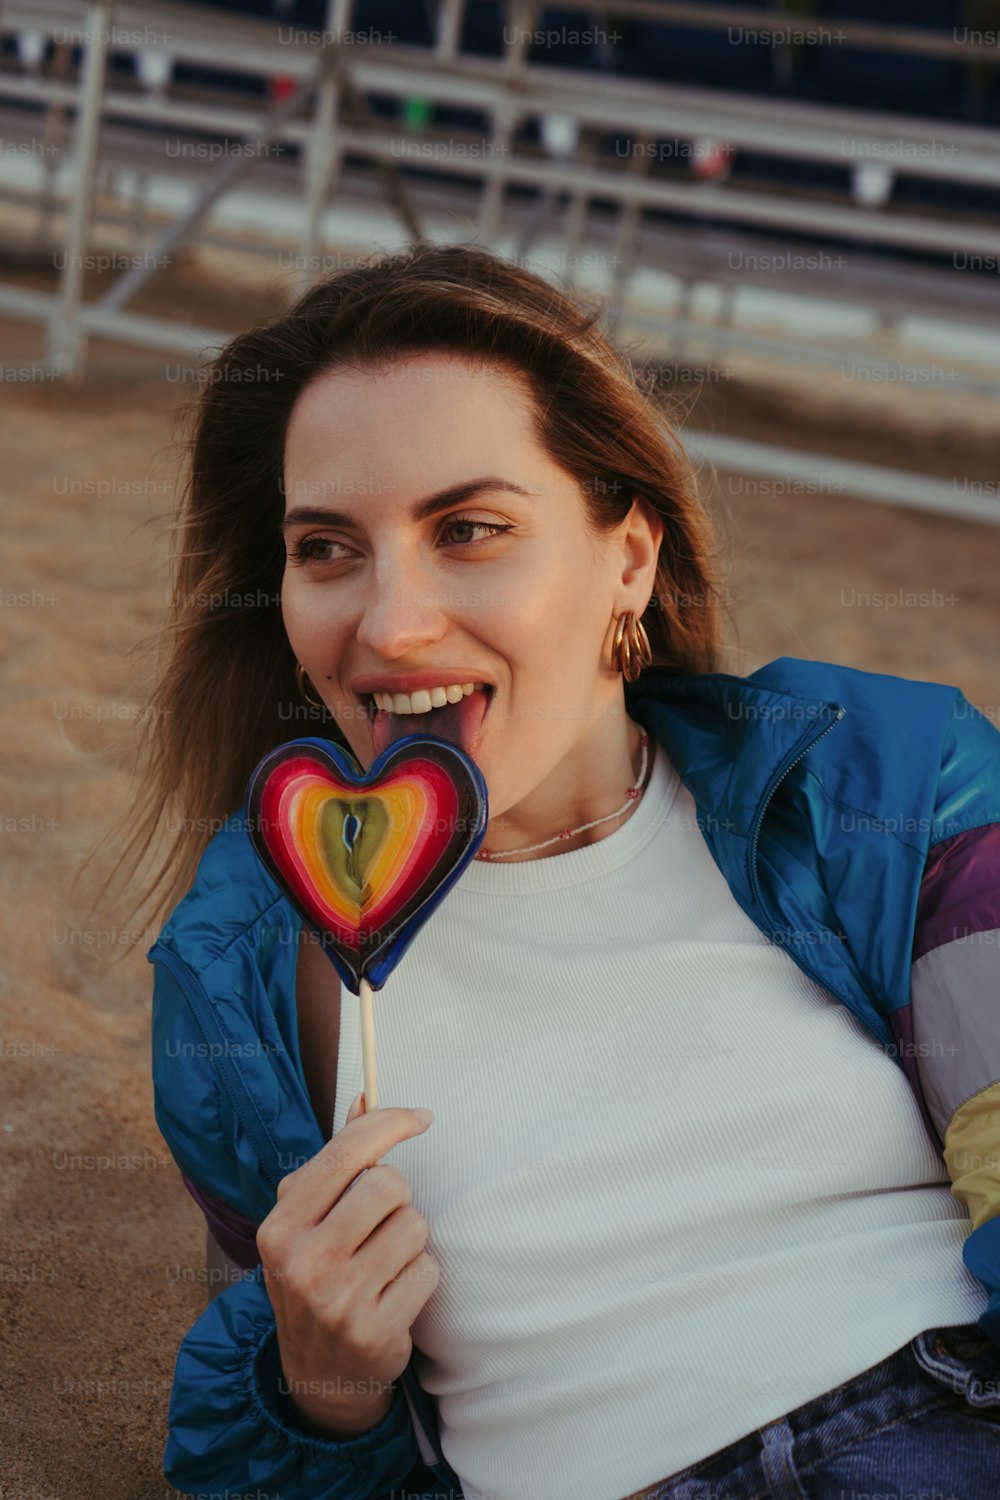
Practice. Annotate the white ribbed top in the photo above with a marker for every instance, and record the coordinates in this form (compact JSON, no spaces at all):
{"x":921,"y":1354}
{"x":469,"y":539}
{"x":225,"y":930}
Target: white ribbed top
{"x":674,"y":1187}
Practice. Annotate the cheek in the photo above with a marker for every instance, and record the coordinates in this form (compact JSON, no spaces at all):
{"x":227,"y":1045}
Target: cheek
{"x":304,"y":612}
{"x":291,"y":611}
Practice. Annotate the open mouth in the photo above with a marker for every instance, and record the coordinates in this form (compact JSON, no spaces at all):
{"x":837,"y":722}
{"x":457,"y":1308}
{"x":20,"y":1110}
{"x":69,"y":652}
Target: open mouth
{"x":462,"y":723}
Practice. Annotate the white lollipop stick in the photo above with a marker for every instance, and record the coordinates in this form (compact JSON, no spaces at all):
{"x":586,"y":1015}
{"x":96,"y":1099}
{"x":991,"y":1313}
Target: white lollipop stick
{"x":368,"y":1045}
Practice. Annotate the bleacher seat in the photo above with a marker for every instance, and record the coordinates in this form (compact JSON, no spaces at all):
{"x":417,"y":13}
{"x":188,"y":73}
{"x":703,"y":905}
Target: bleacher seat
{"x":707,"y":56}
{"x":903,"y":82}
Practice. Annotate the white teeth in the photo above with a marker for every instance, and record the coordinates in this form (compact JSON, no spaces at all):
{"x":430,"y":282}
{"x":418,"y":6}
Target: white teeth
{"x":423,"y":700}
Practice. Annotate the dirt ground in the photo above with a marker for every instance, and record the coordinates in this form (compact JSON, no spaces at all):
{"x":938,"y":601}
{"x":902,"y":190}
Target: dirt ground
{"x":102,"y":1267}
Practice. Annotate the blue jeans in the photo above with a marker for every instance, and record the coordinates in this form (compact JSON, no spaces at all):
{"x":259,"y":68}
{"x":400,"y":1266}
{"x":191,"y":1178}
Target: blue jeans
{"x":924,"y":1424}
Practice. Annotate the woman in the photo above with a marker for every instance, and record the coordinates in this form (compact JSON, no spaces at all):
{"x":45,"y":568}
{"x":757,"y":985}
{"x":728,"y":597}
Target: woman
{"x":693,"y":1025}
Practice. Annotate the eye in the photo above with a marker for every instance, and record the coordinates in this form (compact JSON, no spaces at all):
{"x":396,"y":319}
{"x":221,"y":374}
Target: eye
{"x":319,"y":549}
{"x":494,"y":528}
{"x":310,"y":549}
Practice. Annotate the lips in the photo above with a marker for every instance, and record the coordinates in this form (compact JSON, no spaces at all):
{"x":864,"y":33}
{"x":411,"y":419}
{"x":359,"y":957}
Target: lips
{"x":460,"y":723}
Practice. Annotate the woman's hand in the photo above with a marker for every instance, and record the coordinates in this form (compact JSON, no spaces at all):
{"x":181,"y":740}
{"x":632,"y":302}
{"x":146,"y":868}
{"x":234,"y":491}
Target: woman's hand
{"x":347,"y":1273}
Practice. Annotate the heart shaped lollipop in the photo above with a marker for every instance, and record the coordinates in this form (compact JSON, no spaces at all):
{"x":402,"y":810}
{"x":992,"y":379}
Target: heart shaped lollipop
{"x":367,"y":856}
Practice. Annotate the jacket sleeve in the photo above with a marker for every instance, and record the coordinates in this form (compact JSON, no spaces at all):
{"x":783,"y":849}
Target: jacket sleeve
{"x":955,"y":988}
{"x":230,"y":1430}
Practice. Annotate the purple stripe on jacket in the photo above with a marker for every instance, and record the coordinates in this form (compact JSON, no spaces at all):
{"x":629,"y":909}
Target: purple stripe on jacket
{"x":235,"y":1234}
{"x":960,"y":889}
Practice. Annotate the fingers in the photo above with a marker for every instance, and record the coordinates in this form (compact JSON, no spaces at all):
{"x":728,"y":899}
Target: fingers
{"x":358,"y":1108}
{"x":306,"y":1195}
{"x":392,"y":1245}
{"x":370,"y":1199}
{"x":405,"y":1296}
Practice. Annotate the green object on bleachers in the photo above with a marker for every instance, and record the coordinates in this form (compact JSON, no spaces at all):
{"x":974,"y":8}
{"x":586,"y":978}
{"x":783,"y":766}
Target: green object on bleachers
{"x":417,"y":112}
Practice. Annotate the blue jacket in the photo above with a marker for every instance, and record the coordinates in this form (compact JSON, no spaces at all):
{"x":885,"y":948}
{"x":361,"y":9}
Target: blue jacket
{"x":856,"y":819}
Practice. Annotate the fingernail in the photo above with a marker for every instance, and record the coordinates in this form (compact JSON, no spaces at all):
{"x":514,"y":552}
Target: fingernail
{"x":425,"y":1116}
{"x":355,"y":1102}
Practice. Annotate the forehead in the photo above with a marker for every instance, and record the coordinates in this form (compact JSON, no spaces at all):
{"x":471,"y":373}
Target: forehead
{"x":419,"y":388}
{"x":412,"y":422}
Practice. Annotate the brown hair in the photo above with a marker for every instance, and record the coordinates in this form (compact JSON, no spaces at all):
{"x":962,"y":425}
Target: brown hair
{"x":227,"y":668}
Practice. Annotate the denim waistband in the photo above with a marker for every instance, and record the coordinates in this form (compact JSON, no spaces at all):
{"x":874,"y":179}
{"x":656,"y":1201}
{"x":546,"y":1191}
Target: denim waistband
{"x":931,"y":1370}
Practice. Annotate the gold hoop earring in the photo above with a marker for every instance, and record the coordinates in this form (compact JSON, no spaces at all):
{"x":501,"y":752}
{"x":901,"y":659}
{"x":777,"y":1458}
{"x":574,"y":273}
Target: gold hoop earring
{"x":301,"y":681}
{"x":630,"y":650}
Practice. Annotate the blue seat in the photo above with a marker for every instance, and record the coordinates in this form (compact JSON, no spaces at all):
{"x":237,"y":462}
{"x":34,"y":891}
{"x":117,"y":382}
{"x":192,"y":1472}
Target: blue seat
{"x":567,"y":38}
{"x":905,"y":82}
{"x":713,"y":57}
{"x":265,"y":8}
{"x":409,"y":21}
{"x":482,"y":28}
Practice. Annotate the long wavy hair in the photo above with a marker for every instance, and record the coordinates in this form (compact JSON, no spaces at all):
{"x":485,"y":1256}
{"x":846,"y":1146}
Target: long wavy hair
{"x":226,"y":673}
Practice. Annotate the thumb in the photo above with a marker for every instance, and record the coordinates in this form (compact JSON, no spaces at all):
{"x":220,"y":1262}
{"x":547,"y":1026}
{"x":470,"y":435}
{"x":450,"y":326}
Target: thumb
{"x":357,"y":1108}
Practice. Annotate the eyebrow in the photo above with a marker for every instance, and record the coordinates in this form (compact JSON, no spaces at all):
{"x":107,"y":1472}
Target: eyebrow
{"x":313,"y":515}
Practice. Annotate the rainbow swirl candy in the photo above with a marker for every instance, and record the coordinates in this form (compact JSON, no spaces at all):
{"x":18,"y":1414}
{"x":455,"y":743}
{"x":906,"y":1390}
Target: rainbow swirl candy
{"x":366,"y":857}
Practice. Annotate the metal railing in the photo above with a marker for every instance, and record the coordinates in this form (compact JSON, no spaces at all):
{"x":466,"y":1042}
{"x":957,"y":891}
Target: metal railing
{"x":593,"y":193}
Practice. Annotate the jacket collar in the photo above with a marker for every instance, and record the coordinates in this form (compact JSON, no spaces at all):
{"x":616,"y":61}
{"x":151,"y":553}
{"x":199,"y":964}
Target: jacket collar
{"x":730,"y":739}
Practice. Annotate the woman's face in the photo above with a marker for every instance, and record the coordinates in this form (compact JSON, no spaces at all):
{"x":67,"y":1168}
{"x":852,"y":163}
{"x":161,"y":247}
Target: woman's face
{"x":497,"y":582}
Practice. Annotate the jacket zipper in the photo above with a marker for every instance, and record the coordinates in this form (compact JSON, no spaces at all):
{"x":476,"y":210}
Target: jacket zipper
{"x":419,"y":1402}
{"x":257,"y":1133}
{"x":758,"y":896}
{"x":209,"y":1028}
{"x":769,"y":797}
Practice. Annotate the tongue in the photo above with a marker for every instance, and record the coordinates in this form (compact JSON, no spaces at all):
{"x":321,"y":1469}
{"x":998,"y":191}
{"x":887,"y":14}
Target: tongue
{"x":457,"y":722}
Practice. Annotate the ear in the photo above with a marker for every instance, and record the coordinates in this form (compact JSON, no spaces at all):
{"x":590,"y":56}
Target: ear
{"x":644,"y":528}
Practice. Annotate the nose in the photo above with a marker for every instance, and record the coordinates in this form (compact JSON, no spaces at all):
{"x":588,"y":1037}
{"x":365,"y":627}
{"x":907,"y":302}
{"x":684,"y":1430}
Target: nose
{"x":400,"y":613}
